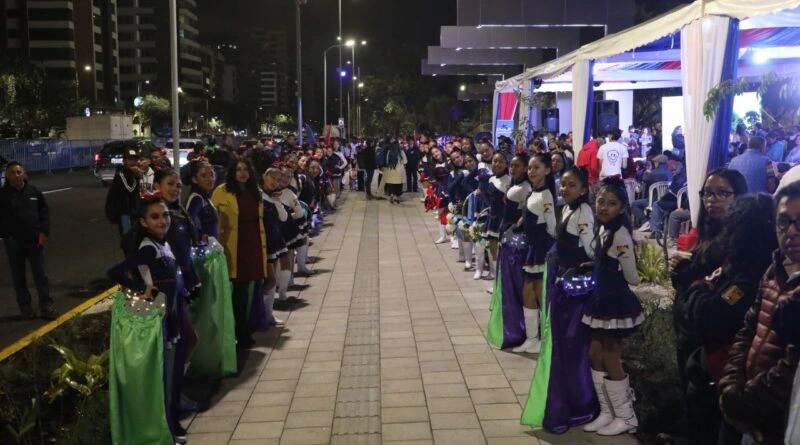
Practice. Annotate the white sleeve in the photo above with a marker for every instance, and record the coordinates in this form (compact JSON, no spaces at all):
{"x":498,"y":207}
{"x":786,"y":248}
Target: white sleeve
{"x":624,"y":152}
{"x":585,"y":225}
{"x":622,"y":248}
{"x":144,"y":272}
{"x":549,"y":212}
{"x":600,"y":154}
{"x":282,"y":215}
{"x":518,"y":193}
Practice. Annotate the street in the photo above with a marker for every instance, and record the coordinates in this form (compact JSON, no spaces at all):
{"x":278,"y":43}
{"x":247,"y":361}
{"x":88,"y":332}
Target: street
{"x":82,"y":246}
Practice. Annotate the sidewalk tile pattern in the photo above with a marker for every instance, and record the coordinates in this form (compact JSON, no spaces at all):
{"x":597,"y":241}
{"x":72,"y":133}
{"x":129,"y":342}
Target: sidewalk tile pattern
{"x":389,"y":349}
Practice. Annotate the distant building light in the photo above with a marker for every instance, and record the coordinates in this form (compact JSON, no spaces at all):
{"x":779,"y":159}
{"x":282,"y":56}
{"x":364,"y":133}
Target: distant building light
{"x":463,"y":88}
{"x":87,"y":68}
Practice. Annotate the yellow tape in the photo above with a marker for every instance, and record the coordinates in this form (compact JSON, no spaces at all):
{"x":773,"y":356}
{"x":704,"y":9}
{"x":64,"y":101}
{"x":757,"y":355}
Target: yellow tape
{"x":28,"y":339}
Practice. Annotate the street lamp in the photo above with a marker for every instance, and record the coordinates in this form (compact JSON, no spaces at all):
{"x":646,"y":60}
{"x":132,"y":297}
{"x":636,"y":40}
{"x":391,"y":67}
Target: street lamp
{"x":342,"y":73}
{"x":361,"y":85}
{"x":463,"y":88}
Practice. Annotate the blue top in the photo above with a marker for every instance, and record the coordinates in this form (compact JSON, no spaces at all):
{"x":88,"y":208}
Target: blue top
{"x":753,"y":166}
{"x":203,"y":214}
{"x":152,"y":264}
{"x":181,"y":236}
{"x":775,"y":151}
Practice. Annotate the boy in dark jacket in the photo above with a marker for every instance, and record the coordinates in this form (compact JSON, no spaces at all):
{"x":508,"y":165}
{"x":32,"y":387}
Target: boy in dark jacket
{"x":25,"y":225}
{"x":123,"y":196}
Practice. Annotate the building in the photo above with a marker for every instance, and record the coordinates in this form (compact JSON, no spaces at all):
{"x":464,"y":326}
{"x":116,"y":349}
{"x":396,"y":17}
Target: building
{"x":499,"y":39}
{"x":262,"y":66}
{"x":144,"y":42}
{"x":74,"y":41}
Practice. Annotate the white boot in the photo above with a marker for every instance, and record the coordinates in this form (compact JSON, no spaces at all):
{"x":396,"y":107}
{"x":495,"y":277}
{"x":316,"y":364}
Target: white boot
{"x":302,"y":256}
{"x":492,"y":267}
{"x":467,"y":248}
{"x":621,"y":396}
{"x":269,"y":299}
{"x":480,"y":261}
{"x":532,"y":345}
{"x":453,"y":242}
{"x":283,"y":283}
{"x":442,"y":235}
{"x":606,"y":416}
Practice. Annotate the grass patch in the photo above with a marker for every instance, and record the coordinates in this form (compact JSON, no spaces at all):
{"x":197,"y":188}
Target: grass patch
{"x":26,"y":413}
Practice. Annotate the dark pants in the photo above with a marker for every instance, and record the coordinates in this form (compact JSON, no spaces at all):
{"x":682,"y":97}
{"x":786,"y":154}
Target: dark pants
{"x":241,"y":297}
{"x":17,"y":254}
{"x":411,"y":178}
{"x":360,"y":179}
{"x":370,"y":174}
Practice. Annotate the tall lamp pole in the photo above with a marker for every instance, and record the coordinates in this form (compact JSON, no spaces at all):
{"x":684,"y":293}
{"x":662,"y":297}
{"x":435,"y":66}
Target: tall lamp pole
{"x":339,"y":38}
{"x":299,"y":74}
{"x":325,"y":88}
{"x":173,"y":43}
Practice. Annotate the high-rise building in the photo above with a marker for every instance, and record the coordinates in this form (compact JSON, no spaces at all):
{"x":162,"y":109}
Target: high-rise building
{"x":261,"y":59}
{"x":144,"y":42}
{"x":74,"y":41}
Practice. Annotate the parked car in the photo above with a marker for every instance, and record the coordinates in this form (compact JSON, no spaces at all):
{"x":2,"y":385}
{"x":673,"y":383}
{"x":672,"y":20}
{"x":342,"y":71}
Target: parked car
{"x":186,"y":146}
{"x":109,"y":159}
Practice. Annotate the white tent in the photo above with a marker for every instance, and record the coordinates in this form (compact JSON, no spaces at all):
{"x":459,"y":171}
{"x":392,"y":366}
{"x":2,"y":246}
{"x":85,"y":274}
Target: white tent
{"x":705,"y":31}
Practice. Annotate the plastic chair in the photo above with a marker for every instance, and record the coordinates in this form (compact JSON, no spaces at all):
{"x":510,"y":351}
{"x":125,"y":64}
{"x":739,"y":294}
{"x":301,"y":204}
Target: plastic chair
{"x":686,"y":225}
{"x":630,"y":187}
{"x":656,"y":191}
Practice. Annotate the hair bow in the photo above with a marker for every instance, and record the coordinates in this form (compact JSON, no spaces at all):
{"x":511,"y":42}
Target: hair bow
{"x":152,"y":196}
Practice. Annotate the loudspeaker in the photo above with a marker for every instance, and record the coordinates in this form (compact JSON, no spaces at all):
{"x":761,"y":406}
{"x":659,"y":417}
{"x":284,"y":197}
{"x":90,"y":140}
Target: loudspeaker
{"x":550,"y":120}
{"x":606,"y":116}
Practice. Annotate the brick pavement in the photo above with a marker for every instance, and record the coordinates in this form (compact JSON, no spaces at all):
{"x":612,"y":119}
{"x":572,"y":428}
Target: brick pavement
{"x":390,"y":349}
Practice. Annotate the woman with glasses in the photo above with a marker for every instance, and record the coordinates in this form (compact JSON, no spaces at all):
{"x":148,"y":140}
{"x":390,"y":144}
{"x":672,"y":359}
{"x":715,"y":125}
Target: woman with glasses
{"x":720,"y":189}
{"x":715,"y":307}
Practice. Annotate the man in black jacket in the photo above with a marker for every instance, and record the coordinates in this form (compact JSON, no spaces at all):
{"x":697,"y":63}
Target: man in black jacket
{"x":123,"y":196}
{"x":412,"y":164}
{"x":25,"y":225}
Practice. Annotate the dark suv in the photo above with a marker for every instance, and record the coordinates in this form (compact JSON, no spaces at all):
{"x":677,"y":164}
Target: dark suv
{"x":109,"y":159}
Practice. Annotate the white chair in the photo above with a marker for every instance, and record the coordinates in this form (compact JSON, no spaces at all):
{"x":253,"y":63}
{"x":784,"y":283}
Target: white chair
{"x":630,"y":187}
{"x":682,"y":196}
{"x":656,"y":191}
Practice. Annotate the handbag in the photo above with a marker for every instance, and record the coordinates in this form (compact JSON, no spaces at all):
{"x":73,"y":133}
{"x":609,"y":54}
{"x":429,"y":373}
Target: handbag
{"x":577,"y":283}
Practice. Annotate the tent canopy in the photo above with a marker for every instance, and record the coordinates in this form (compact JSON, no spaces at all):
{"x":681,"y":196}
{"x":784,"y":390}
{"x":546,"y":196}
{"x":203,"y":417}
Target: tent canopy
{"x":768,"y":24}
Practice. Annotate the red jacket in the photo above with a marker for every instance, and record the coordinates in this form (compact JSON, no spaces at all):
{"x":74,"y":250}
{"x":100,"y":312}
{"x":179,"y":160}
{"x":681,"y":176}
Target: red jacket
{"x":588,"y":160}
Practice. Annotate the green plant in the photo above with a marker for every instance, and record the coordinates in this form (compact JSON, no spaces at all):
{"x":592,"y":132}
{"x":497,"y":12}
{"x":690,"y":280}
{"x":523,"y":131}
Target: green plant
{"x":778,"y":95}
{"x":84,"y":377}
{"x":651,"y":265}
{"x":27,"y":422}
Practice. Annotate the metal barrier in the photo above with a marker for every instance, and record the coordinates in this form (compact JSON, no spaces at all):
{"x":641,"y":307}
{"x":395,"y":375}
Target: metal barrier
{"x":46,"y":155}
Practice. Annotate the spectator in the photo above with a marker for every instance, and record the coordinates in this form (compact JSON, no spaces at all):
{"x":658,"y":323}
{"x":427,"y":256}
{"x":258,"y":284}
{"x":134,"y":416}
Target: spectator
{"x":412,"y":158}
{"x":146,"y":184}
{"x":588,"y":159}
{"x":678,"y":141}
{"x":393,"y":168}
{"x":25,"y":225}
{"x":659,"y":173}
{"x":719,"y":191}
{"x":157,"y":159}
{"x":242,"y":235}
{"x":757,"y":381}
{"x":366,"y":165}
{"x":715,"y":306}
{"x":755,"y":167}
{"x":668,"y":202}
{"x":794,"y":150}
{"x":123,"y":197}
{"x":612,"y":156}
{"x":775,"y":147}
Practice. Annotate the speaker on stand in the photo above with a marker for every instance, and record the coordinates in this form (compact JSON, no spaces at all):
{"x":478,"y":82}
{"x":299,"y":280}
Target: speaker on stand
{"x":606,"y":116}
{"x":550,"y":120}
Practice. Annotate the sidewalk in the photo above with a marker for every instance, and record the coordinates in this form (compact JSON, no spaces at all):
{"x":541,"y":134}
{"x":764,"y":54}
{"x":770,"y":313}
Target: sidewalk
{"x":390,"y":349}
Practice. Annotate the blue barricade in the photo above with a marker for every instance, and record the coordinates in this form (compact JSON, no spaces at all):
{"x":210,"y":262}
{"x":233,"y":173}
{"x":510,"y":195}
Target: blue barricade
{"x":44,"y":155}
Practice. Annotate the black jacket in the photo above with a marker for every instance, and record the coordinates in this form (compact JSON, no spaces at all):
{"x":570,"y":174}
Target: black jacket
{"x":123,"y":196}
{"x":412,"y":156}
{"x":23,"y":213}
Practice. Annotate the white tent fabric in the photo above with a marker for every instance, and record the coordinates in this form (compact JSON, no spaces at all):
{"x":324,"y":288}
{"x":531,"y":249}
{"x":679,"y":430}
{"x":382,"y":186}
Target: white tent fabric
{"x":702,"y":56}
{"x":654,"y":29}
{"x":580,"y":95}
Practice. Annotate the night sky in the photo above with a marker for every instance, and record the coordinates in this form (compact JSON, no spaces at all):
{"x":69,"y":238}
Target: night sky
{"x":398,"y":31}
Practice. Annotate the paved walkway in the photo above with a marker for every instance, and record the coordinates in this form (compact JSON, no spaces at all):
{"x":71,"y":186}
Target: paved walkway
{"x":390,"y":349}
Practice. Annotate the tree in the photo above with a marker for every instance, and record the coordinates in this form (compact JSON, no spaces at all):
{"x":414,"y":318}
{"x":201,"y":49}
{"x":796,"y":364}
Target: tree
{"x":153,"y":108}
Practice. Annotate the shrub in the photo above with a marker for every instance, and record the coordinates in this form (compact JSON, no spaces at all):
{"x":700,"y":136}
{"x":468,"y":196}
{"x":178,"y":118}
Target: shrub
{"x":650,"y":263}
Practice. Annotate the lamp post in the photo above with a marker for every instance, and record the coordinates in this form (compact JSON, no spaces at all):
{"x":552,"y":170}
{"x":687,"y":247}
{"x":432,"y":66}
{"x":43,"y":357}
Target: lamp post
{"x":325,"y":87}
{"x":352,"y":45}
{"x":176,"y":125}
{"x":339,"y":39}
{"x":299,"y":39}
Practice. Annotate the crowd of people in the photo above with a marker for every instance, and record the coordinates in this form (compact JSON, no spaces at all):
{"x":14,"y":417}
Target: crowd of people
{"x":553,"y":232}
{"x":555,"y":235}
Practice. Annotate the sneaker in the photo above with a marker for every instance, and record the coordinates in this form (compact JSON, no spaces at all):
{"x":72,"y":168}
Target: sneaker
{"x":645,"y":227}
{"x":180,"y":435}
{"x":27,"y":312}
{"x":49,"y":313}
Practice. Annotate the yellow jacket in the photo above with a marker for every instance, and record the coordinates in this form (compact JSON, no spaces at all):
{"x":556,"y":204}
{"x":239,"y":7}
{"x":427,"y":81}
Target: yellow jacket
{"x":228,"y":210}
